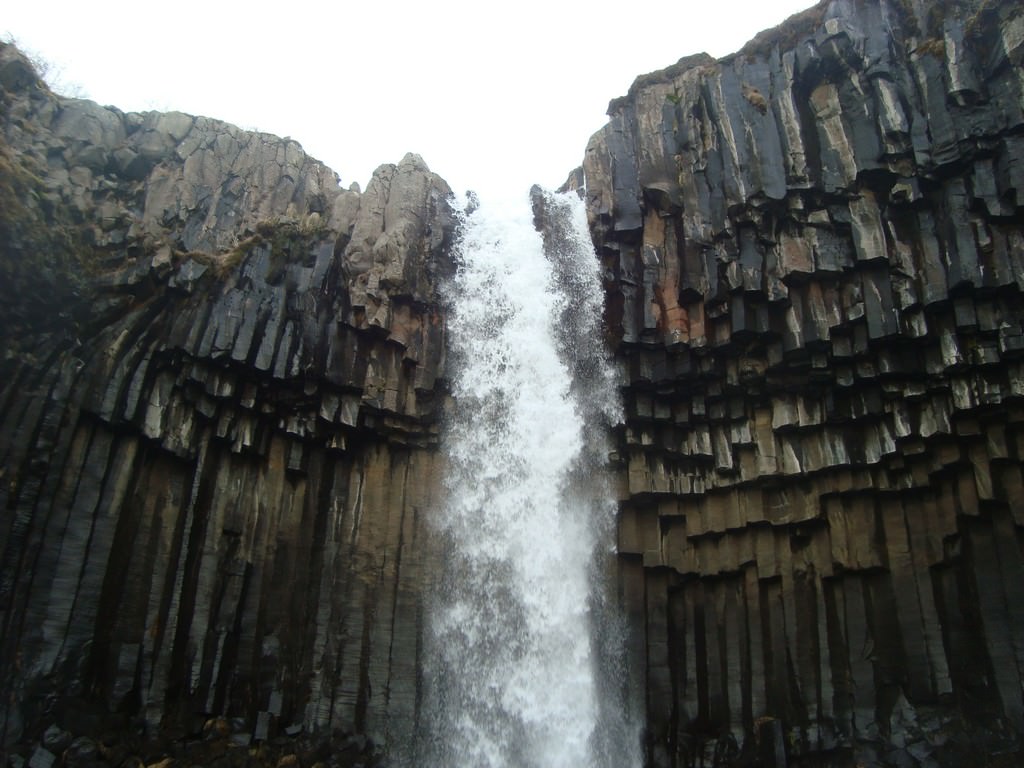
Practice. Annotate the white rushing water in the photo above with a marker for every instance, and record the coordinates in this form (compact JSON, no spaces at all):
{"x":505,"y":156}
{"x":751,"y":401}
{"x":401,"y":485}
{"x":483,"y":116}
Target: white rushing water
{"x":524,"y":649}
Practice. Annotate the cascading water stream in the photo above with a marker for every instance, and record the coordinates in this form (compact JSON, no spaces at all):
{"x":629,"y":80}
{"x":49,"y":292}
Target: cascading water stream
{"x":519,"y":671}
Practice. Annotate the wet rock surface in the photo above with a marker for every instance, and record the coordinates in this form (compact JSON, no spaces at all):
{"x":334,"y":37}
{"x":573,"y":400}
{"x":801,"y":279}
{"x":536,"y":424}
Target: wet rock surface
{"x":813,"y":265}
{"x":221,"y":742}
{"x":223,"y":379}
{"x":219,"y":406}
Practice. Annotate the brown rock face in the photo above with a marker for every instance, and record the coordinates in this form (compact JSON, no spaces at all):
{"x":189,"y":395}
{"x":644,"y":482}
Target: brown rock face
{"x":218,"y":423}
{"x":814,"y":256}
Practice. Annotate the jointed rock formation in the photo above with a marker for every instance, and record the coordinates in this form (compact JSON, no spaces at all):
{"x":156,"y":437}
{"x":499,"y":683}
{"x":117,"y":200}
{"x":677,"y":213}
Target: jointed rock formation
{"x":218,"y":441}
{"x":815,"y":259}
{"x":224,"y":376}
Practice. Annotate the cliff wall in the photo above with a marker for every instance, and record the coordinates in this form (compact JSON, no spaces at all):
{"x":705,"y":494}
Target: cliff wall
{"x":223,"y":378}
{"x":219,"y":403}
{"x":814,"y":255}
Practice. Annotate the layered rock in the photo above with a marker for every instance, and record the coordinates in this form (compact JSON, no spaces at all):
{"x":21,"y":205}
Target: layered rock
{"x":814,"y":269}
{"x":223,"y":379}
{"x":218,"y":423}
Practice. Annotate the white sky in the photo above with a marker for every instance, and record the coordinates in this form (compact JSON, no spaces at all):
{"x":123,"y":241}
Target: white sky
{"x":495,"y":97}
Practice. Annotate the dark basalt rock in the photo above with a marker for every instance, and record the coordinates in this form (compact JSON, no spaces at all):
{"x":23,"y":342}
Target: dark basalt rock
{"x":219,"y":406}
{"x":813,"y":250}
{"x":223,"y":378}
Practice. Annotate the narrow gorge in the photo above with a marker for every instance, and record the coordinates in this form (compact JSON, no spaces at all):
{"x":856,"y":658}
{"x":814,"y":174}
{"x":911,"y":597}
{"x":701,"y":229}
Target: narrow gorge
{"x":232,"y":396}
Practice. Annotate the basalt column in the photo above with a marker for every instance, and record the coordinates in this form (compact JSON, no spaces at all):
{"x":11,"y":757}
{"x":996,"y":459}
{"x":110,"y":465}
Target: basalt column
{"x":219,"y":405}
{"x":814,"y":256}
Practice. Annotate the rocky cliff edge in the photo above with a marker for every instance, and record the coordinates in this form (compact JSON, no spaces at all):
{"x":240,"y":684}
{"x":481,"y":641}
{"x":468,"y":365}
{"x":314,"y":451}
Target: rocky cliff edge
{"x":814,"y":259}
{"x":219,"y":399}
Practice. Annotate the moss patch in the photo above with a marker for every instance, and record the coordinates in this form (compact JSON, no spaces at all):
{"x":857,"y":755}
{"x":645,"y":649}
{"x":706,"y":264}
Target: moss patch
{"x":288,"y":241}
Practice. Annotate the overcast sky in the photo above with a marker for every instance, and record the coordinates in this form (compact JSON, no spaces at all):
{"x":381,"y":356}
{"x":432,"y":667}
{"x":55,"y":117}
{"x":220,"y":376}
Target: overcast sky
{"x":494,"y":96}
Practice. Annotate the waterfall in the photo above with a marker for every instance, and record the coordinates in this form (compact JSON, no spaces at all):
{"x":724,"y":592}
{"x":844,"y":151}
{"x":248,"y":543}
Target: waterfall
{"x":523,"y":650}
